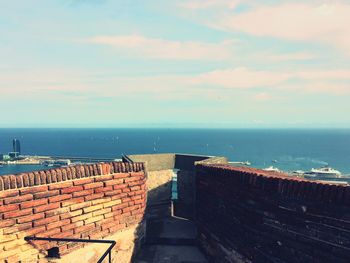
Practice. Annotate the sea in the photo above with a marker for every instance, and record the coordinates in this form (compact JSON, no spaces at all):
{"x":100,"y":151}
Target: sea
{"x":285,"y":149}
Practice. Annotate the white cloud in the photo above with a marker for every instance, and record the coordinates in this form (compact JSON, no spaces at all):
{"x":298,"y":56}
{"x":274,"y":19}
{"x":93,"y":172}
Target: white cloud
{"x":140,"y":46}
{"x":327,"y":81}
{"x":289,"y":56}
{"x":241,"y":78}
{"x":204,"y":4}
{"x":320,"y":23}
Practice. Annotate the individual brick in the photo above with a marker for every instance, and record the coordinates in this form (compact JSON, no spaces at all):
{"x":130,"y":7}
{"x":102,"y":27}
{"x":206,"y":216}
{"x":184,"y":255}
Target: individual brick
{"x":92,"y":208}
{"x":55,"y":212}
{"x":73,"y":172}
{"x":112,"y":203}
{"x":31,"y":179}
{"x":17,"y":228}
{"x":7,"y":223}
{"x":69,"y":173}
{"x":64,"y":174}
{"x":59,"y":198}
{"x":33,"y":203}
{"x":72,"y":189}
{"x":37,"y":179}
{"x":93,"y":219}
{"x":19,"y":181}
{"x":52,"y":232}
{"x":33,"y":190}
{"x":6,"y":182}
{"x":104,"y":178}
{"x":83,"y":193}
{"x":95,"y":169}
{"x":71,"y":226}
{"x":87,"y":171}
{"x":114,"y":182}
{"x":71,"y":214}
{"x":61,"y":185}
{"x":46,"y":207}
{"x":45,"y":221}
{"x":17,"y":213}
{"x":30,"y":218}
{"x":43,"y":178}
{"x":83,"y":181}
{"x":120,"y":186}
{"x":93,"y":196}
{"x":53,"y":176}
{"x":82,"y":171}
{"x":113,"y":193}
{"x":9,"y":193}
{"x":2,"y":184}
{"x":121,"y":175}
{"x":48,"y":176}
{"x":59,"y":175}
{"x":93,"y":185}
{"x":46,"y":194}
{"x":18,"y":199}
{"x":10,"y":207}
{"x":66,"y":234}
{"x":72,"y":201}
{"x":103,"y":189}
{"x":85,"y":228}
{"x":57,"y":224}
{"x":101,"y":211}
{"x":81,"y":217}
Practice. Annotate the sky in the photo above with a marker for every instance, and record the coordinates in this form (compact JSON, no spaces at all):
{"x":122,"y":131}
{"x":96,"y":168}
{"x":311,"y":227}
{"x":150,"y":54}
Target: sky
{"x":175,"y":64}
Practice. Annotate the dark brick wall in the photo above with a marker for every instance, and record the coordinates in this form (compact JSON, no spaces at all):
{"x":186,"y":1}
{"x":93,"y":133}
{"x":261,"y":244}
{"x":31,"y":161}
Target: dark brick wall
{"x":249,"y":215}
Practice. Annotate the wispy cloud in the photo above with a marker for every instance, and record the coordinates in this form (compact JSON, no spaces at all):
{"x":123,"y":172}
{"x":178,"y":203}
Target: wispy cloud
{"x":313,"y":22}
{"x":291,"y":56}
{"x":140,"y":46}
{"x":311,"y":81}
{"x":241,"y":77}
{"x":204,"y":4}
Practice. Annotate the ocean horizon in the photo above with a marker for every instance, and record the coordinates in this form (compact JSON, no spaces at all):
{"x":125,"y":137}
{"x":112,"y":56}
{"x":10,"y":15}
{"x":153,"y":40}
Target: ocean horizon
{"x":287,"y":149}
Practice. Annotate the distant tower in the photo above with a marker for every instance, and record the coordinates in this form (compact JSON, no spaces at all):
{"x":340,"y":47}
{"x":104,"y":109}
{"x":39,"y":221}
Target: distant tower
{"x":16,"y":146}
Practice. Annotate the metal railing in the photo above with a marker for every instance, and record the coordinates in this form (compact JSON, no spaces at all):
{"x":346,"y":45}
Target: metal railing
{"x":108,"y":251}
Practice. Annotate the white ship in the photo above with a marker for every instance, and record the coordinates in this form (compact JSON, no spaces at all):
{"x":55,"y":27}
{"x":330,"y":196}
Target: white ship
{"x":272,"y":169}
{"x":325,"y":172}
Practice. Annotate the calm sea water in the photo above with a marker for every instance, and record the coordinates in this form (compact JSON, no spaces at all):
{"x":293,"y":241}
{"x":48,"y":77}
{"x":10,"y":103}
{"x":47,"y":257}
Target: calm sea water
{"x":292,"y":149}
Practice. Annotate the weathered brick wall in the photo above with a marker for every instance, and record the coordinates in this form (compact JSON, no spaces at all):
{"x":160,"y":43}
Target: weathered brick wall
{"x":249,"y":215}
{"x":86,"y":201}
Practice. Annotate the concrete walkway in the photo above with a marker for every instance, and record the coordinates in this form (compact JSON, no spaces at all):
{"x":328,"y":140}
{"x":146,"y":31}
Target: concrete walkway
{"x":170,"y":240}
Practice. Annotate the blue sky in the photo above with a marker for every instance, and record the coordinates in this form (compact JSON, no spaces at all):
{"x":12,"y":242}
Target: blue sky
{"x":217,"y":64}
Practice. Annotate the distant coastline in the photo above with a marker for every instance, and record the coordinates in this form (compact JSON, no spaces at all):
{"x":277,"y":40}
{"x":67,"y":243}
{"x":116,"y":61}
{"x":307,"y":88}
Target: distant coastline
{"x":293,"y":149}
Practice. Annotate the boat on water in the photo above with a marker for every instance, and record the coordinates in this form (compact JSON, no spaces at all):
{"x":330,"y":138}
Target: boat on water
{"x":247,"y":163}
{"x":272,"y":169}
{"x":58,"y":163}
{"x":325,"y":171}
{"x":298,"y":172}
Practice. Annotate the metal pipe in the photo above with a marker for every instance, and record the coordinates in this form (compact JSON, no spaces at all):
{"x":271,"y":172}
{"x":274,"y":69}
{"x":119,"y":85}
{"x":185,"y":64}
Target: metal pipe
{"x":108,"y":251}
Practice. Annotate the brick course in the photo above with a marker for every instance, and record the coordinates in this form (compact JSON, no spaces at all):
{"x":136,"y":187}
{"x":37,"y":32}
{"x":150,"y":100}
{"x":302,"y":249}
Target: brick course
{"x":77,"y":202}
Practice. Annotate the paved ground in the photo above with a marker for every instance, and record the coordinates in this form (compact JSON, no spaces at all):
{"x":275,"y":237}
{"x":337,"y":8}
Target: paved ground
{"x":170,"y":240}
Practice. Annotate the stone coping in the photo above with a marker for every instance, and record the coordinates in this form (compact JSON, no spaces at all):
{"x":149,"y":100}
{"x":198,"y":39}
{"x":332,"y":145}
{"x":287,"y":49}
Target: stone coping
{"x":49,"y":176}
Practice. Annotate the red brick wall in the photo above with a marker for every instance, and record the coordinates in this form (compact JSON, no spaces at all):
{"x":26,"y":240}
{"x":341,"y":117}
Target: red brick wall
{"x":250,"y":215}
{"x":87,"y":201}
